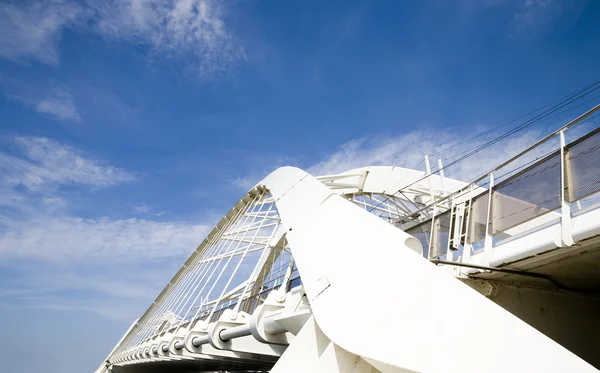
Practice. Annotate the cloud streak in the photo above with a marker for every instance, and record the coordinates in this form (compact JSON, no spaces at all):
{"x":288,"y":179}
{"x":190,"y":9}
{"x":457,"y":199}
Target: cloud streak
{"x":46,"y":162}
{"x":58,"y":260}
{"x":173,"y":28}
{"x":409,"y":151}
{"x":32,"y":29}
{"x":169,"y":28}
{"x":72,"y":239}
{"x":60,"y":105}
{"x":55,"y":101}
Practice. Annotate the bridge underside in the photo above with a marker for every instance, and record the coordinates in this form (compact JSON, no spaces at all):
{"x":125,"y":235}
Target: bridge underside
{"x":198,"y":366}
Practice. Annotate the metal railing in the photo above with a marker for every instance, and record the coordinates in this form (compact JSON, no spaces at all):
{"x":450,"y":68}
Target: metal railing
{"x":484,"y":212}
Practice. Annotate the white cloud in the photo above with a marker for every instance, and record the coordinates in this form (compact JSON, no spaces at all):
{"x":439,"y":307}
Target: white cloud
{"x":29,"y":186}
{"x":113,"y":267}
{"x":60,"y":104}
{"x":145,"y":210}
{"x":59,"y":260}
{"x":47,"y":162}
{"x":409,"y":151}
{"x":245,"y":182}
{"x":400,"y":150}
{"x":141,"y":209}
{"x":116,"y":290}
{"x":170,"y":28}
{"x":260,"y":165}
{"x":56,"y":101}
{"x":71,"y":239}
{"x":32,"y":29}
{"x":533,"y":14}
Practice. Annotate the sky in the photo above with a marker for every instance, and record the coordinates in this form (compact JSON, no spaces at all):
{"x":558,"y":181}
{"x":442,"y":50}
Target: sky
{"x":128,"y":128}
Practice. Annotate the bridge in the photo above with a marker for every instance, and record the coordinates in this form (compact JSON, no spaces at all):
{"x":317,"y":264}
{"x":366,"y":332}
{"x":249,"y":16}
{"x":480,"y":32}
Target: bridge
{"x":388,"y":269}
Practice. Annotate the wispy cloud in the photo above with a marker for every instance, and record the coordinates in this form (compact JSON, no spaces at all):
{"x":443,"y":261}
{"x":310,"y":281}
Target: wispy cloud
{"x":531,"y":18}
{"x":32,"y":29}
{"x":260,"y":166}
{"x":59,"y":260}
{"x":111,"y":267}
{"x":245,"y":182}
{"x":450,"y":146}
{"x":115,"y":291}
{"x":145,"y":210}
{"x":173,"y":28}
{"x":409,"y":150}
{"x":141,"y":209}
{"x":60,"y":105}
{"x":169,"y":28}
{"x":46,"y":162}
{"x":535,"y":15}
{"x":72,"y":239}
{"x":46,"y":98}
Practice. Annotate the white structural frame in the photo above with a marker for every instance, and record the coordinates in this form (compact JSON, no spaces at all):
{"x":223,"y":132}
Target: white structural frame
{"x":346,"y":254}
{"x":368,"y":300}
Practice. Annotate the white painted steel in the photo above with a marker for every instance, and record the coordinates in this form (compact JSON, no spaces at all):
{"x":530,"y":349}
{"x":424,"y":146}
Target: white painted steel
{"x":165,"y":327}
{"x":585,"y":224}
{"x":374,"y":300}
{"x":361,"y":258}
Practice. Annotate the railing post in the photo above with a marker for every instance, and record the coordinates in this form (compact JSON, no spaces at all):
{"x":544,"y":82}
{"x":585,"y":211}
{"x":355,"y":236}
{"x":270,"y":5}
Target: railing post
{"x":428,"y":172}
{"x":441,"y":167}
{"x":467,"y":246}
{"x":566,"y":237}
{"x":487,"y":247}
{"x":432,"y":235}
{"x":451,"y":232}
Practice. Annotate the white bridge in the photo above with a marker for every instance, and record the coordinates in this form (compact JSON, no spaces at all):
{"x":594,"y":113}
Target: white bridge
{"x":386,"y":269}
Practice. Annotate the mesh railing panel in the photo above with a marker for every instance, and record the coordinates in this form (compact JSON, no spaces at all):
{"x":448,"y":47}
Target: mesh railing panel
{"x":528,"y":194}
{"x":534,"y":191}
{"x":583,"y":167}
{"x":422,"y":232}
{"x":441,"y":234}
{"x":478,"y":218}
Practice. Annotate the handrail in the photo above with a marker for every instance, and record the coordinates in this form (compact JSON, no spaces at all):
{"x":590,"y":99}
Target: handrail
{"x":480,"y":178}
{"x":540,"y":142}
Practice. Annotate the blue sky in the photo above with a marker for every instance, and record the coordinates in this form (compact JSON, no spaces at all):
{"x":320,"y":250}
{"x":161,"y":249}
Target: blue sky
{"x":129,"y":127}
